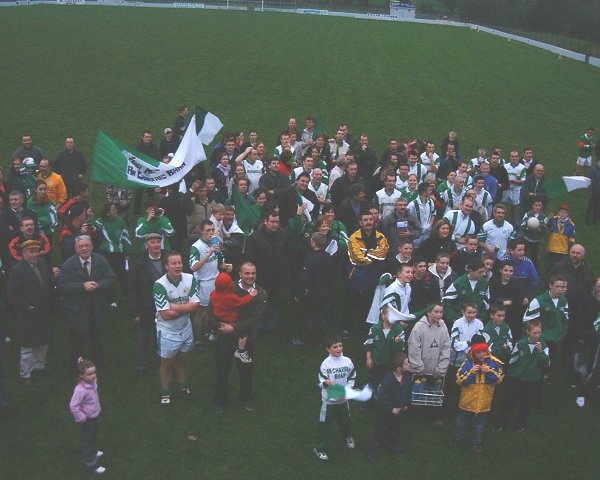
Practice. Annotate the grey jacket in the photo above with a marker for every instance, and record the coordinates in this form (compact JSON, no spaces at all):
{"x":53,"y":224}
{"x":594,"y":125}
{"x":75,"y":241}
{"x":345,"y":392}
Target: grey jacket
{"x":429,"y":348}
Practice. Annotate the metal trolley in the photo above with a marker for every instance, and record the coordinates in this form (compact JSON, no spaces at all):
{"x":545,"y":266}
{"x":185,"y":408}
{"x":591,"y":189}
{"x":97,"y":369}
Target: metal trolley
{"x":428,"y":391}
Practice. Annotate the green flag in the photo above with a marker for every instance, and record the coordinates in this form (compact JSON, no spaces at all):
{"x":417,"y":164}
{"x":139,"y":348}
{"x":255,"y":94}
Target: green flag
{"x":318,"y":125}
{"x":246,"y":215}
{"x":116,"y":163}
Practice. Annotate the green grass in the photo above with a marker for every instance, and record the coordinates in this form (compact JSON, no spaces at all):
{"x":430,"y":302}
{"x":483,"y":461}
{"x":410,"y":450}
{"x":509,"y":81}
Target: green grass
{"x":73,"y":70}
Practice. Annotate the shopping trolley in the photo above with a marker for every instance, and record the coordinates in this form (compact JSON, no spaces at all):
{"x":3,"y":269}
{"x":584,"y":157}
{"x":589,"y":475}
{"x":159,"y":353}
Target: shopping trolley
{"x":428,"y":391}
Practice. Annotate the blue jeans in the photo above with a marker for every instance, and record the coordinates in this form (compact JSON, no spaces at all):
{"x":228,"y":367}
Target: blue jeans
{"x":462,"y":421}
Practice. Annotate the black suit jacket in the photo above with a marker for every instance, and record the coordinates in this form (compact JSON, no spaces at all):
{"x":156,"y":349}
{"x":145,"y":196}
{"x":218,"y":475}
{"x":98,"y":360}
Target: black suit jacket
{"x":82,"y":309}
{"x":31,"y":301}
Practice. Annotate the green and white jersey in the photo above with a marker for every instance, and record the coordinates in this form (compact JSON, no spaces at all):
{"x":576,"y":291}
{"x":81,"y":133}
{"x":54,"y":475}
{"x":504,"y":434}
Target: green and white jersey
{"x":210,"y":269}
{"x":553,"y":314}
{"x":496,"y":235}
{"x":452,"y":199}
{"x":475,"y":162}
{"x":421,"y":213}
{"x":462,"y":225}
{"x":585,"y":146}
{"x":419,"y":170}
{"x":165,"y":293}
{"x":340,"y":370}
{"x":425,"y":160}
{"x":322,"y":191}
{"x":483,"y":198}
{"x":533,"y":235}
{"x":401,"y":182}
{"x":385,"y":202}
{"x":410,"y":195}
{"x":516,"y":172}
{"x":254,"y":172}
{"x":297,"y":171}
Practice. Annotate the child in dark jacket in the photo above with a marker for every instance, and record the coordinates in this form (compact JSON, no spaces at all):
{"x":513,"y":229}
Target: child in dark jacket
{"x":393,"y":399}
{"x":226,"y":308}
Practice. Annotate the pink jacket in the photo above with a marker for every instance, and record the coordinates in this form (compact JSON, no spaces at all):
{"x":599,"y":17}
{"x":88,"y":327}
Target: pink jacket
{"x":85,"y":402}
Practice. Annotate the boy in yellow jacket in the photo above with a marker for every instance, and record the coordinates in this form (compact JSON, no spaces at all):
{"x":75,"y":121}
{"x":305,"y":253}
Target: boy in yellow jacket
{"x":478,"y":376}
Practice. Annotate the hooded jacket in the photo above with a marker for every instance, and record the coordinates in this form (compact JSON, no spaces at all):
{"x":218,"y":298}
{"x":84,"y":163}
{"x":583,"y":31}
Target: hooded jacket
{"x":226,"y":304}
{"x":429,"y":348}
{"x":478,"y":387}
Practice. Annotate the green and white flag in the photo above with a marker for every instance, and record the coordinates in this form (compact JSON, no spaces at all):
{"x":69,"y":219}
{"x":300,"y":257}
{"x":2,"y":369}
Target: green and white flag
{"x":556,"y":187}
{"x":207,"y":125}
{"x":116,"y":163}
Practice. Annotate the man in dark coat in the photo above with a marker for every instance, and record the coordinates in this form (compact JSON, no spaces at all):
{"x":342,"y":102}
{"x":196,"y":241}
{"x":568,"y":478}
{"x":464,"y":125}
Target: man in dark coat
{"x":227,"y":342}
{"x":148,"y":268}
{"x":296,"y":196}
{"x":267,"y":248}
{"x":84,"y":282}
{"x":149,"y":148}
{"x":70,"y":164}
{"x":29,"y":291}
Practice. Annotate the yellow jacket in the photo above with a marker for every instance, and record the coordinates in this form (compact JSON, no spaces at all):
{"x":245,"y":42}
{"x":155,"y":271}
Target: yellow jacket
{"x":358,"y":253}
{"x":57,"y":191}
{"x":478,"y":387}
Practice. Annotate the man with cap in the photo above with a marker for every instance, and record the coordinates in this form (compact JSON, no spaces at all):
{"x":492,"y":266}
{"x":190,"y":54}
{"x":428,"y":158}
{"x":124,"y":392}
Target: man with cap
{"x":168,"y":144}
{"x":29,"y":291}
{"x":147,"y":268}
{"x":28,"y":232}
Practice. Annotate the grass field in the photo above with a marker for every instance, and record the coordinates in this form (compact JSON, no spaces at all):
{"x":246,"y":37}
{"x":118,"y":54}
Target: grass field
{"x":73,"y":70}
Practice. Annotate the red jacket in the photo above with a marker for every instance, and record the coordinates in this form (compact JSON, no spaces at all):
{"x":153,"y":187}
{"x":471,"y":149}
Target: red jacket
{"x":226,"y":304}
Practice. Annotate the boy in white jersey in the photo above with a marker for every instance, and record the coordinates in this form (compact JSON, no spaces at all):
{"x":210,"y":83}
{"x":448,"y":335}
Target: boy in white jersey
{"x":254,"y":167}
{"x":335,"y":373}
{"x":385,"y":199}
{"x":516,"y":176}
{"x":205,"y":263}
{"x":175,"y":298}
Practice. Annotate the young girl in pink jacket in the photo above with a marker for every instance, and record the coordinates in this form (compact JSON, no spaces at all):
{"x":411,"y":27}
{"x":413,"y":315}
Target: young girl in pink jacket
{"x":85,"y":408}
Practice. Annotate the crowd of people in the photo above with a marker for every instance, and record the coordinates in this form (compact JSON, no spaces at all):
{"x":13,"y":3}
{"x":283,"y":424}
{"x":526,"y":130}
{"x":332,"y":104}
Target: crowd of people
{"x":437,"y":257}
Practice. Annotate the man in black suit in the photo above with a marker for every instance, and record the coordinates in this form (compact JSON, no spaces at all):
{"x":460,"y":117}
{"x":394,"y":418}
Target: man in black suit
{"x":29,"y":291}
{"x":148,"y":268}
{"x":84,"y":282}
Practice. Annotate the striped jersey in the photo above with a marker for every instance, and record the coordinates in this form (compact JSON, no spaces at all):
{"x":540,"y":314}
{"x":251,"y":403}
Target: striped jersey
{"x":516,"y":172}
{"x":386,"y":202}
{"x":165,"y":293}
{"x":254,"y":172}
{"x":210,"y":269}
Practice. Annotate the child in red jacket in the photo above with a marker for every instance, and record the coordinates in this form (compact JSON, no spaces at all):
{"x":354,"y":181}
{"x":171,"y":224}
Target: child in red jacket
{"x":226,"y":308}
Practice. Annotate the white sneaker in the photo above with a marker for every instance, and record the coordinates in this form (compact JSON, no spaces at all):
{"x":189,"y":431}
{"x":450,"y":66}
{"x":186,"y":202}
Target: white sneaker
{"x":350,"y":443}
{"x":99,"y":470}
{"x":99,"y":453}
{"x":113,"y":305}
{"x":321,"y":455}
{"x":580,"y":401}
{"x":243,"y":356}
